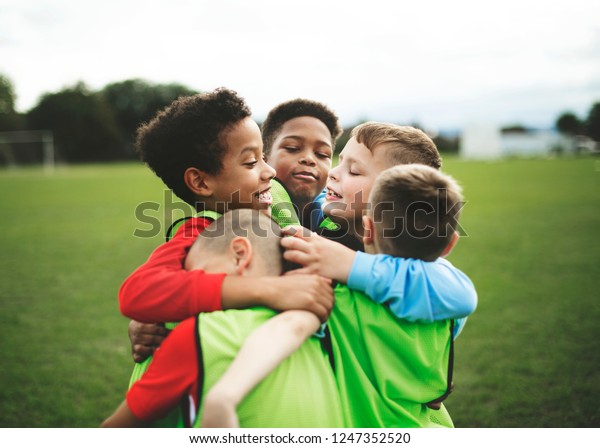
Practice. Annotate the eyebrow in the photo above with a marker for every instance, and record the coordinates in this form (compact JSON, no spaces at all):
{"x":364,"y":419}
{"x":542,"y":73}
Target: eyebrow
{"x":349,"y":159}
{"x":297,"y":137}
{"x":248,"y":149}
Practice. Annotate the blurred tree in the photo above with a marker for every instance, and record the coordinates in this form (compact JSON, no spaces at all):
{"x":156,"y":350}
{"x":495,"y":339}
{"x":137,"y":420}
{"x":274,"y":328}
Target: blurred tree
{"x":136,"y":101}
{"x":83,"y":124}
{"x":7,"y":95}
{"x":592,"y":123}
{"x":568,"y":123}
{"x":10,"y":120}
{"x":514,"y":128}
{"x":447,"y":143}
{"x":342,"y":140}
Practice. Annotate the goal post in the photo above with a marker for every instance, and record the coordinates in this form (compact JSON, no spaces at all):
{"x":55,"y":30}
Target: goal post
{"x":46,"y":138}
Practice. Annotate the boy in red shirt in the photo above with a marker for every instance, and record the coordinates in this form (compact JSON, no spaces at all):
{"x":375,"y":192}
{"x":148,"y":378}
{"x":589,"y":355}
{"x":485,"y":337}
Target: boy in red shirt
{"x":208,"y":150}
{"x":240,"y":243}
{"x":299,"y":139}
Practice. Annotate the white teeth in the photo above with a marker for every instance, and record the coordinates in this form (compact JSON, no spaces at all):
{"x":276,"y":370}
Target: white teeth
{"x":333,"y":193}
{"x":265,"y":197}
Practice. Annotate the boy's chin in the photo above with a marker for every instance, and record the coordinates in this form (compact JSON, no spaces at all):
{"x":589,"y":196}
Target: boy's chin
{"x":262,"y":206}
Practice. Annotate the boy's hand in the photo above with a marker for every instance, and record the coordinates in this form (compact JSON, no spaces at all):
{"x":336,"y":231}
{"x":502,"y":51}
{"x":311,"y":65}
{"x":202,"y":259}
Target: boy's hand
{"x":295,"y":291}
{"x":145,"y":338}
{"x":318,"y":255}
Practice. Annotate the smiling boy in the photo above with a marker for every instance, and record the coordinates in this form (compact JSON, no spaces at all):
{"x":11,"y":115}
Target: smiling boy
{"x":372,"y":148}
{"x":299,"y":139}
{"x":208,"y":150}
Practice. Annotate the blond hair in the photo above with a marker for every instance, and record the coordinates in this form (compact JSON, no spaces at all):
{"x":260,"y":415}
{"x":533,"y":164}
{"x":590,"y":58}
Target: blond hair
{"x":402,"y":144}
{"x":415,"y":211}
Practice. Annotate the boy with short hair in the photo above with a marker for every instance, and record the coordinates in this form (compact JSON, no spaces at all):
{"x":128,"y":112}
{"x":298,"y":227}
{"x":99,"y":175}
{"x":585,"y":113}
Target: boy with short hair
{"x":412,"y":295}
{"x":240,"y":243}
{"x":373,"y":147}
{"x":299,"y":141}
{"x":443,"y":291}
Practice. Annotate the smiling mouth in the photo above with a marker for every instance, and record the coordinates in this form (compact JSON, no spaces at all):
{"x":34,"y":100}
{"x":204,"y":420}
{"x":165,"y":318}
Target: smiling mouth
{"x":332,"y":194}
{"x":264,"y":197}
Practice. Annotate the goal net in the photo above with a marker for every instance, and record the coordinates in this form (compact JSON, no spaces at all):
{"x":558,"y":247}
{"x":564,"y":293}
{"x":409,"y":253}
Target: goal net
{"x":10,"y":142}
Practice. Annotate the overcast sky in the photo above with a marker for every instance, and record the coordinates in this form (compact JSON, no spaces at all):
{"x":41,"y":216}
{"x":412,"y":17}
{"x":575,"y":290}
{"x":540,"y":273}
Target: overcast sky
{"x":440,"y":63}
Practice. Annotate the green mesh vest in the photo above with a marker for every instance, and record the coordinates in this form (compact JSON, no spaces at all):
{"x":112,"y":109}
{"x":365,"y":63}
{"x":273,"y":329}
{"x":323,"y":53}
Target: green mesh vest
{"x":387,"y":368}
{"x":282,"y":399}
{"x":282,"y":212}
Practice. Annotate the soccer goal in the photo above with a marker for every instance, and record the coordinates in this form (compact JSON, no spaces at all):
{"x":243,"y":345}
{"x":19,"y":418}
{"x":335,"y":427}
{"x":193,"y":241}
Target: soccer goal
{"x":46,"y":138}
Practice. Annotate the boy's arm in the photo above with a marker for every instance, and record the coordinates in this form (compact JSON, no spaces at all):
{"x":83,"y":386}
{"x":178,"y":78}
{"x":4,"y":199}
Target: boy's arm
{"x":161,"y":290}
{"x":122,"y":418}
{"x":260,"y":354}
{"x":414,"y":289}
{"x":171,"y":376}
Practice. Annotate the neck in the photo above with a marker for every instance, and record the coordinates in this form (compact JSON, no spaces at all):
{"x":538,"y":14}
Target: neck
{"x":301,"y":205}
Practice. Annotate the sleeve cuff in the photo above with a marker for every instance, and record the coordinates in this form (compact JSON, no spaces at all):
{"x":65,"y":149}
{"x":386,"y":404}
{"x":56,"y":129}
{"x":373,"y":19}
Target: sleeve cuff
{"x":360,"y":273}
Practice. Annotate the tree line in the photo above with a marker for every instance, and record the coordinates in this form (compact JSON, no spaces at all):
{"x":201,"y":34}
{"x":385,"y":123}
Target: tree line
{"x":88,"y":126}
{"x":99,"y":126}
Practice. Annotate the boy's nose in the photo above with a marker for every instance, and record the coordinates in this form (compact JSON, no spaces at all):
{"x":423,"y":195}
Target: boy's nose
{"x":331,"y":174}
{"x":307,"y":159}
{"x":268,"y":171}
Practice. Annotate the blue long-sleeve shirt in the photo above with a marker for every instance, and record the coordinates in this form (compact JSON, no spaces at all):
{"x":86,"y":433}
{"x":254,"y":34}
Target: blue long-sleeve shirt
{"x":415,"y":290}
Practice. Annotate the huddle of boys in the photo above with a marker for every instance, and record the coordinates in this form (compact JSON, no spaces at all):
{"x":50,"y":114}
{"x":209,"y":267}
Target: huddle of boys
{"x":229,"y":173}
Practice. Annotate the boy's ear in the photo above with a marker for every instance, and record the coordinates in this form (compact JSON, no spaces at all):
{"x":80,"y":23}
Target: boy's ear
{"x":197,"y":181}
{"x":369,"y":231}
{"x":241,"y":248}
{"x":451,"y":244}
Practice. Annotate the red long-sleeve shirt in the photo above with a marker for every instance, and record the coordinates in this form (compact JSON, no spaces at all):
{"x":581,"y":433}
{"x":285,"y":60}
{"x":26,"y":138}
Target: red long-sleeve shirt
{"x":161,"y":290}
{"x":171,"y":377}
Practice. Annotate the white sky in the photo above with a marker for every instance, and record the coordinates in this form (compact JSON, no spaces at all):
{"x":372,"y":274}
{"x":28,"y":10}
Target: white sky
{"x":440,"y":63}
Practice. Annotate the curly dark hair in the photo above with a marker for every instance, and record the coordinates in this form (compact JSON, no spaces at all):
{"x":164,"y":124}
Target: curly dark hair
{"x":189,"y":133}
{"x":299,"y":107}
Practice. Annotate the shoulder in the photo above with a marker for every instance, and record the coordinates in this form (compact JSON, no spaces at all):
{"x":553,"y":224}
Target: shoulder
{"x":188,"y":227}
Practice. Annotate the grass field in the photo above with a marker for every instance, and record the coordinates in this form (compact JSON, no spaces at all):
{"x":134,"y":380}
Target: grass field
{"x":529,"y":356}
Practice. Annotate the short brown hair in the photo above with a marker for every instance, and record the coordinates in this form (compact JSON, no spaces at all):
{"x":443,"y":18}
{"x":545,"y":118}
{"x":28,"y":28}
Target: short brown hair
{"x":415,"y":210}
{"x":403,"y":144}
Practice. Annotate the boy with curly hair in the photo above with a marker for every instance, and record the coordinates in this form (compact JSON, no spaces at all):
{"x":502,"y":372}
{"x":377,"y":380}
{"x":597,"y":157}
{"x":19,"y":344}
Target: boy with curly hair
{"x":208,"y":150}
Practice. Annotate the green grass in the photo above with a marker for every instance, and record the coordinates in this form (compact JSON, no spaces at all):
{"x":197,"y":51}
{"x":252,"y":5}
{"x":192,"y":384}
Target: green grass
{"x":528,"y":357}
